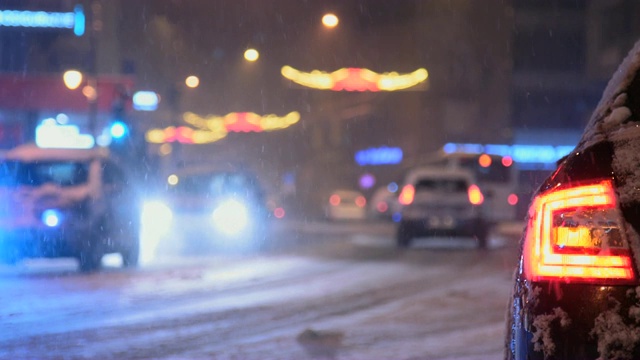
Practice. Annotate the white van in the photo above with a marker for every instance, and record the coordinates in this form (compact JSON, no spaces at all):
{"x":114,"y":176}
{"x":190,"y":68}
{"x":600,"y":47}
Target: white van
{"x":441,"y":201}
{"x":66,"y":203}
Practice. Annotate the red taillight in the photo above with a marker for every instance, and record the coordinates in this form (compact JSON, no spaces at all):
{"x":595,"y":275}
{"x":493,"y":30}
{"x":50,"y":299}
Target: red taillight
{"x":361,"y":201}
{"x":382,"y":206}
{"x":334,"y":200}
{"x":475,"y":195}
{"x":407,"y":194}
{"x":512,"y":199}
{"x":574,"y":234}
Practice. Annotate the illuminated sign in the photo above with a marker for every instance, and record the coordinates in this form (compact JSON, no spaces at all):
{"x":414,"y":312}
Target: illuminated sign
{"x":523,"y":154}
{"x":41,"y":19}
{"x":49,"y":134}
{"x":213,"y":127}
{"x":355,"y":79}
{"x":379,"y":156}
{"x":145,"y":100}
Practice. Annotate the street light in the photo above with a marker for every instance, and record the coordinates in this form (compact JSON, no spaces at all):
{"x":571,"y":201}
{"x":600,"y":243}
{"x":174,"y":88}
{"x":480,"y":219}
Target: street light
{"x":192,"y":81}
{"x":251,"y":55}
{"x":72,"y":79}
{"x":330,"y":20}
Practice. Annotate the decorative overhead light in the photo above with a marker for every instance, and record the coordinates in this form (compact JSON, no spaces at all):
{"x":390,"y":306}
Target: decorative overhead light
{"x":213,"y":128}
{"x":355,"y":79}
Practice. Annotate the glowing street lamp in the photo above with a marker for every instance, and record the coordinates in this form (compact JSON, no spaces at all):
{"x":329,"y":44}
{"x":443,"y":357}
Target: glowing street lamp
{"x":251,"y":55}
{"x":192,"y":81}
{"x":330,"y":20}
{"x":72,"y":79}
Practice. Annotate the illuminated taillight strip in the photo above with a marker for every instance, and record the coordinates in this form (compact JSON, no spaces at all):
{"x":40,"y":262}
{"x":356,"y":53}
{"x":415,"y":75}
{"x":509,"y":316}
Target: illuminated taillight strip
{"x":541,"y":260}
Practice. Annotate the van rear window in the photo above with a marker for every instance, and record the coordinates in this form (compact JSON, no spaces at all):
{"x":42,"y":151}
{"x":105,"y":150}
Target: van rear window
{"x":441,"y":185}
{"x":61,"y":173}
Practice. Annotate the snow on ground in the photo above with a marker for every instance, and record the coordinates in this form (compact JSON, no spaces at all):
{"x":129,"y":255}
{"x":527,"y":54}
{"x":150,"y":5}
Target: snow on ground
{"x":381,"y":304}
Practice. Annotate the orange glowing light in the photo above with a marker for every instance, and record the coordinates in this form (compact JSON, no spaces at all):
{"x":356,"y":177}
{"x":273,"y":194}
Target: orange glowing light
{"x":355,"y":79}
{"x":475,"y":195}
{"x":330,"y":20}
{"x":214,"y":128}
{"x":545,"y":240}
{"x":407,"y":194}
{"x":484,"y":160}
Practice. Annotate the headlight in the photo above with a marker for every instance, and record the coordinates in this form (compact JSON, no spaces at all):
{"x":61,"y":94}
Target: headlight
{"x":51,"y":217}
{"x":231,"y":217}
{"x":155,"y":212}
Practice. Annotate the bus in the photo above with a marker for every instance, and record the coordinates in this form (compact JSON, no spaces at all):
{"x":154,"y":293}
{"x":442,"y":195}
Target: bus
{"x":496,"y":176}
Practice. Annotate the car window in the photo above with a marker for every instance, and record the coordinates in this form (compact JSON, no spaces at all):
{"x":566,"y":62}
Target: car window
{"x":61,"y":173}
{"x":441,"y":185}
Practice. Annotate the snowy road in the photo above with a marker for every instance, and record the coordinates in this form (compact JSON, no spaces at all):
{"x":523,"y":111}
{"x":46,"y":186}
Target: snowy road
{"x":320,"y":292}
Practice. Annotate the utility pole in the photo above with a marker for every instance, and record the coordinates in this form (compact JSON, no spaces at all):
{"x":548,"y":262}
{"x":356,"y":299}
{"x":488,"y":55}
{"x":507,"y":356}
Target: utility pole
{"x":92,"y":78}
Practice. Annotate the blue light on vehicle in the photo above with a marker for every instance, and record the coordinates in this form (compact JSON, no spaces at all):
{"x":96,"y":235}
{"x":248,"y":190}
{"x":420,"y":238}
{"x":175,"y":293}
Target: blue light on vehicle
{"x":118,"y":130}
{"x":51,"y":217}
{"x":379,"y":156}
{"x":392,"y":187}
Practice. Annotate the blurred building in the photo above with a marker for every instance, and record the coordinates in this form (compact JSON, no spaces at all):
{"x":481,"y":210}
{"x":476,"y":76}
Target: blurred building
{"x":564,"y":52}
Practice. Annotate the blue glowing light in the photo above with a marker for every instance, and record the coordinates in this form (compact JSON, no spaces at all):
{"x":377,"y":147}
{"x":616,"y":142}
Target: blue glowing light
{"x":396,"y":217}
{"x":521,"y":154}
{"x":51,"y":218}
{"x":145,"y":100}
{"x":392,"y":187}
{"x":118,"y":130}
{"x":379,"y":156}
{"x":78,"y":28}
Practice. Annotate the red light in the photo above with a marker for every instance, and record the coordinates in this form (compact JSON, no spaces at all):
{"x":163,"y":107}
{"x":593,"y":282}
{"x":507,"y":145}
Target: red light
{"x":573,"y":251}
{"x":512,"y":199}
{"x":507,"y":161}
{"x":407,"y":194}
{"x":485,"y":160}
{"x":279,"y":213}
{"x":334,"y":200}
{"x":475,"y":195}
{"x":382,"y":206}
{"x":361,"y":201}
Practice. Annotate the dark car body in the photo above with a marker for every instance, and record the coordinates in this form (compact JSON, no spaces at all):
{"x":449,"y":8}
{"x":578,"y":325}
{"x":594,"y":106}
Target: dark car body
{"x":576,"y":292}
{"x":66,"y":203}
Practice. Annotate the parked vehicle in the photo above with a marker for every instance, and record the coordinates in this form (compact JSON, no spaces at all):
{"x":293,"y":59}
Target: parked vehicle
{"x":345,"y":204}
{"x":441,"y":201}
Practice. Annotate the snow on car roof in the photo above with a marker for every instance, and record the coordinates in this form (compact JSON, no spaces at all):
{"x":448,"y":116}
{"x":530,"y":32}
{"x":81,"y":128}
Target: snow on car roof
{"x":31,"y":152}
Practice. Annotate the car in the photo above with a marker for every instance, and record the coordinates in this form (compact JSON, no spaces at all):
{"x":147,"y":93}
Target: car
{"x":66,"y":203}
{"x":440,"y":201}
{"x":344,"y":204}
{"x":209,"y":207}
{"x":576,"y":291}
{"x":383,"y":204}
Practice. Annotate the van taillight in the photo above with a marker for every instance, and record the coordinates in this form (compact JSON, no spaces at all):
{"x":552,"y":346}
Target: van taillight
{"x":407,"y":194}
{"x":575,"y":234}
{"x":475,"y":195}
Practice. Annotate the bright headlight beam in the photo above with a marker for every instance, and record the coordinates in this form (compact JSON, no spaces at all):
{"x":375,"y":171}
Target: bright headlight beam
{"x":231,"y":217}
